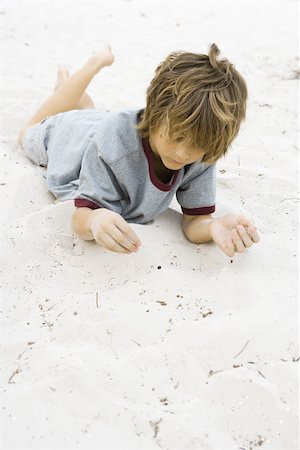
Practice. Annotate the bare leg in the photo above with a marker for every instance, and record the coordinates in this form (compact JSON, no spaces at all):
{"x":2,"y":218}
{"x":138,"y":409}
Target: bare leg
{"x":85,"y":102}
{"x":69,"y":94}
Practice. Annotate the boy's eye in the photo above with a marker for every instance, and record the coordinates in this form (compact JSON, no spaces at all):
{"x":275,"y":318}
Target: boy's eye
{"x":179,"y":139}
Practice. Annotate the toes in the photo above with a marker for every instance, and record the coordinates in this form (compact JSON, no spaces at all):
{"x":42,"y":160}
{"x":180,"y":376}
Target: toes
{"x":62,"y":73}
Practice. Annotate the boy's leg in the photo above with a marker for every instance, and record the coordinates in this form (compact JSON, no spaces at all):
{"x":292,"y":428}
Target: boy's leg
{"x":68,"y":95}
{"x":85,"y":102}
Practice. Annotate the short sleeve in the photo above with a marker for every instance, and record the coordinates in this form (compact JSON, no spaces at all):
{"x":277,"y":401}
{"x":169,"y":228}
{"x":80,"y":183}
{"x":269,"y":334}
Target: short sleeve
{"x":197,"y":192}
{"x":98,"y":187}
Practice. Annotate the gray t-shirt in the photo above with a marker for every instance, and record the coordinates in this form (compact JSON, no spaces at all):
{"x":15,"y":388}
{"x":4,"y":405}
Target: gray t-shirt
{"x":99,"y":160}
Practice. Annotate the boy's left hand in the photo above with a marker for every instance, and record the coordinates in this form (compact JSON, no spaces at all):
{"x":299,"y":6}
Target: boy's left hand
{"x":233,"y":233}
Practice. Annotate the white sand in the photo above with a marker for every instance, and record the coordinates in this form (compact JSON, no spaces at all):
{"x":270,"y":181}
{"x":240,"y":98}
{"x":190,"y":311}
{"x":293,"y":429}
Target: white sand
{"x":131,"y":372}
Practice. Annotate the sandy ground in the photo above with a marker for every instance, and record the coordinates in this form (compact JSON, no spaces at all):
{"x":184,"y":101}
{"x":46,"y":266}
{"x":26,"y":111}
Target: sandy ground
{"x":175,"y":347}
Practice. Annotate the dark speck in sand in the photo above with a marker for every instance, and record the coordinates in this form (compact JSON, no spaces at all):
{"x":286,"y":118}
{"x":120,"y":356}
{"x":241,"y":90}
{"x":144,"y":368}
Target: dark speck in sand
{"x":161,"y":302}
{"x":159,"y":267}
{"x":295,"y":75}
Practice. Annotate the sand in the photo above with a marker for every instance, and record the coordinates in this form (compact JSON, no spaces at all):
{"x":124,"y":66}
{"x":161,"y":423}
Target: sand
{"x":177,"y":346}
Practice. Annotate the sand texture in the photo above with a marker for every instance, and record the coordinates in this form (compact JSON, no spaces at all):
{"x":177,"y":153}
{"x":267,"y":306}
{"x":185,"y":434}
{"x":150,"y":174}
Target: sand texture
{"x":177,"y":347}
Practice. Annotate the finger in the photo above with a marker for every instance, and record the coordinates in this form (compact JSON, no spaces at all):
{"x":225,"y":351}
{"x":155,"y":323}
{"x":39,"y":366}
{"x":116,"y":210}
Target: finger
{"x":127,"y":230}
{"x":252,"y":231}
{"x":123,"y":240}
{"x":228,"y":247}
{"x":240,"y":248}
{"x":244,"y":236}
{"x":243,"y":220}
{"x":112,"y":245}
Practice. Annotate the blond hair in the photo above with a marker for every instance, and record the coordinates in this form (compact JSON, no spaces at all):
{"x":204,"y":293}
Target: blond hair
{"x":198,"y":99}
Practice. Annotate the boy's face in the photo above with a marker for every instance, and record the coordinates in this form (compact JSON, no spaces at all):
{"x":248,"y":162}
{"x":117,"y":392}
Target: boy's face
{"x":173,"y":153}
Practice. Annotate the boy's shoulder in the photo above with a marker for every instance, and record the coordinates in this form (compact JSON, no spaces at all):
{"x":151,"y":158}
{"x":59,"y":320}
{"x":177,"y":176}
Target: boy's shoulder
{"x":116,"y":135}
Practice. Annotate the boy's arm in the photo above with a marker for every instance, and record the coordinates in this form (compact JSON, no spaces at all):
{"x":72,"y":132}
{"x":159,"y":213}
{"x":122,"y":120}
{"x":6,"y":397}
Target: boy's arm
{"x":81,"y":223}
{"x":108,"y":228}
{"x":196,"y":228}
{"x":232,"y":232}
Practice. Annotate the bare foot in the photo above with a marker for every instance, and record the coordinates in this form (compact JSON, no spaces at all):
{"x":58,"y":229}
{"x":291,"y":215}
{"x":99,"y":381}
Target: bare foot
{"x":62,"y":76}
{"x":102,"y":58}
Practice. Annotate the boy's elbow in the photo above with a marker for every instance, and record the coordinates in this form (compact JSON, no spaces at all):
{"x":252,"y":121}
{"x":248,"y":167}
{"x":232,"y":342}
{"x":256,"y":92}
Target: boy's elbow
{"x":189,"y":236}
{"x":186,"y":232}
{"x":196,"y":228}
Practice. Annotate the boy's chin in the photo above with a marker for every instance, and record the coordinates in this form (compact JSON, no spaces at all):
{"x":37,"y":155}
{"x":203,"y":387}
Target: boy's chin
{"x":172,"y":164}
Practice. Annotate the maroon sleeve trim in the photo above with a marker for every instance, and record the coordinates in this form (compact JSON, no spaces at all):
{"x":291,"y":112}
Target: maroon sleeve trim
{"x":199,"y":211}
{"x":84,"y":203}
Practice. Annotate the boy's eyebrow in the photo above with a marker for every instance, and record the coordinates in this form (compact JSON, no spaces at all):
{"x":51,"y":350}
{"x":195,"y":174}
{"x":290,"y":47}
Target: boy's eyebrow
{"x":185,"y":138}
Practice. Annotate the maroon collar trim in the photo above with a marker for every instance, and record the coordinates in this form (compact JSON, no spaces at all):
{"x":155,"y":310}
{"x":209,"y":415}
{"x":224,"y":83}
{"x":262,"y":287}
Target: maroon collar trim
{"x":156,"y":181}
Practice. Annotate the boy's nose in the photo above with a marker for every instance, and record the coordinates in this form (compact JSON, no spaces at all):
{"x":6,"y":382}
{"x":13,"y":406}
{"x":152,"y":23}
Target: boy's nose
{"x":181,"y":156}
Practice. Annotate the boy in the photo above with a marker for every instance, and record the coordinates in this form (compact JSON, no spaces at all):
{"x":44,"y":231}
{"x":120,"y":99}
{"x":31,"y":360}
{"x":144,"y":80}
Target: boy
{"x":126,"y":167}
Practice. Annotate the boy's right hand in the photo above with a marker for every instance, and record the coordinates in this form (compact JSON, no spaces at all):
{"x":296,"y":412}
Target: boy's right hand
{"x":112,"y":232}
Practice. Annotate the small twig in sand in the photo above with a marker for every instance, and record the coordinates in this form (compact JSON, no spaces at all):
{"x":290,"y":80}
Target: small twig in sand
{"x":241,"y":350}
{"x":61,"y":313}
{"x":97,"y":299}
{"x":260,"y":373}
{"x":289,"y":198}
{"x":161,"y":302}
{"x":136,"y":342}
{"x":155,"y":426}
{"x":18,"y":370}
{"x":213,"y":372}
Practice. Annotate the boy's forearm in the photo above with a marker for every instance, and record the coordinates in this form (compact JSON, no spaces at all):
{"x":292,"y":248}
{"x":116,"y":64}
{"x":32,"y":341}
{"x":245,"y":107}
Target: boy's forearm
{"x":81,"y":221}
{"x":197,"y":230}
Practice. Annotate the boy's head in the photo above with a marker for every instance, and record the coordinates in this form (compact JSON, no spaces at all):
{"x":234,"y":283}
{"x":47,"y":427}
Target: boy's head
{"x":195,"y":105}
